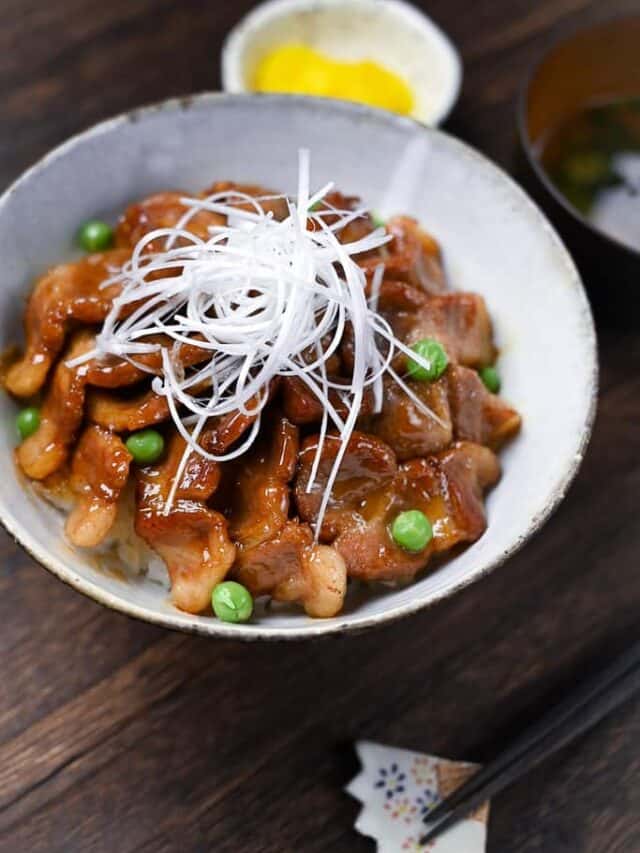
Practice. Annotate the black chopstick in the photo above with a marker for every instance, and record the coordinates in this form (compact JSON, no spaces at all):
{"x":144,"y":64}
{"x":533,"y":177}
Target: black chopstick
{"x":593,"y":700}
{"x":550,"y":720}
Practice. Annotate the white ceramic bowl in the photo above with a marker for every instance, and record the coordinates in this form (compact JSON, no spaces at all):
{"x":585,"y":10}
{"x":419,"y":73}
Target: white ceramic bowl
{"x":391,"y":32}
{"x":494,"y":239}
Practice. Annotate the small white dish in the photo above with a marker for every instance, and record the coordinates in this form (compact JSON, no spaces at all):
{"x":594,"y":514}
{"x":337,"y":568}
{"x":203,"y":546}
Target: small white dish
{"x":391,"y":32}
{"x":494,"y":240}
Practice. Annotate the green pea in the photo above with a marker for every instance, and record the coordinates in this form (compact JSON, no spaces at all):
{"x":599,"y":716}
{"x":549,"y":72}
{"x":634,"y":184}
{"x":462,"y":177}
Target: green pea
{"x":145,"y":446}
{"x":435,"y":356}
{"x":491,"y":378}
{"x":232,"y":602}
{"x":28,"y":421}
{"x":412,"y":530}
{"x":377,"y":220}
{"x":95,"y":236}
{"x":318,"y":205}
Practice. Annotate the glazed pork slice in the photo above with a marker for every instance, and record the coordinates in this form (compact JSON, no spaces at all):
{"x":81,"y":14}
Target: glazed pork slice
{"x":290,"y":567}
{"x":458,"y":320}
{"x":166,"y":209}
{"x":224,"y":430}
{"x":99,"y":473}
{"x":397,"y":302}
{"x":406,"y":427}
{"x":355,"y":230}
{"x":269,"y":200}
{"x":477,"y":414}
{"x":359,"y":509}
{"x":47,"y":450}
{"x":276,"y":556}
{"x":255,"y":491}
{"x":448,"y":487}
{"x":126,"y":414}
{"x":461,"y":323}
{"x":412,"y":256}
{"x":69,"y":293}
{"x":113,"y":372}
{"x":368,"y":468}
{"x":465,"y":410}
{"x":299,"y":403}
{"x":302,"y":407}
{"x":191,"y":538}
{"x":162,"y":210}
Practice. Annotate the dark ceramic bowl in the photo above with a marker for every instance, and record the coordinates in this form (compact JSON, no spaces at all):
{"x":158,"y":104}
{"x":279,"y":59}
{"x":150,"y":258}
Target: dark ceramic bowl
{"x":595,"y":64}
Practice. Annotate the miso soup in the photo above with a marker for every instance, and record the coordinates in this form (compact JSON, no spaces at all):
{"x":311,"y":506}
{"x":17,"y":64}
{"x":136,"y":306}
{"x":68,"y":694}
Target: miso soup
{"x":594,"y":160}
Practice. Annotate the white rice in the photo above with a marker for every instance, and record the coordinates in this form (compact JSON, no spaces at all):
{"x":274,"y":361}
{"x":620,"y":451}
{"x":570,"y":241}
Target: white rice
{"x":123,"y":549}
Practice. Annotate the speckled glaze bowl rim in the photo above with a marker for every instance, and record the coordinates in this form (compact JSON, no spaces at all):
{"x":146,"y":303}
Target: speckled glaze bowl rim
{"x":233,"y":45}
{"x":215,"y":628}
{"x":528,"y":145}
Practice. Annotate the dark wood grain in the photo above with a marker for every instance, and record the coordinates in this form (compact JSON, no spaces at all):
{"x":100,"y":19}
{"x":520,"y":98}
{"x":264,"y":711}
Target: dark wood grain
{"x":116,"y":736}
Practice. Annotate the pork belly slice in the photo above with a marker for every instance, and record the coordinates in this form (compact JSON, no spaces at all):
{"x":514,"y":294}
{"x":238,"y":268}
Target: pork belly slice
{"x":162,"y":210}
{"x":355,"y":230}
{"x":47,"y":450}
{"x":299,"y":403}
{"x":99,"y":472}
{"x":126,"y":414}
{"x":165,"y":209}
{"x":413,"y":256}
{"x":398,"y":302}
{"x":223,"y":431}
{"x":275,"y":556}
{"x":302,"y":407}
{"x":254,"y":493}
{"x":277,"y":206}
{"x":478,"y":415}
{"x":406,"y":427}
{"x":367,"y":470}
{"x":465,"y":409}
{"x":461,"y":323}
{"x":191,"y":538}
{"x":113,"y":372}
{"x":360,"y":506}
{"x":458,"y":320}
{"x":65,"y":294}
{"x":291,"y":567}
{"x":448,"y":487}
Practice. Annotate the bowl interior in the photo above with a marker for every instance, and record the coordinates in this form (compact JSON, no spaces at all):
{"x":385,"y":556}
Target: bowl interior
{"x":494,"y":241}
{"x":388,"y":31}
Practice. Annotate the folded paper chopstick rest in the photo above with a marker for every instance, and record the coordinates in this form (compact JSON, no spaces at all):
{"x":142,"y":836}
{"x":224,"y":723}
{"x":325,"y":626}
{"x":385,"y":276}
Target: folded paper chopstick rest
{"x":397,"y":787}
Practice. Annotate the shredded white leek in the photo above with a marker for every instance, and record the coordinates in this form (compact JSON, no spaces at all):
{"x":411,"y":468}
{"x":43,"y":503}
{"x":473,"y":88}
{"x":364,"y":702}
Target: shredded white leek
{"x":262,"y":298}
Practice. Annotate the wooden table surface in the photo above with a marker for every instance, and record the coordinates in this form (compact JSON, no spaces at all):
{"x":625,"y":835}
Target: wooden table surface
{"x":117,"y":736}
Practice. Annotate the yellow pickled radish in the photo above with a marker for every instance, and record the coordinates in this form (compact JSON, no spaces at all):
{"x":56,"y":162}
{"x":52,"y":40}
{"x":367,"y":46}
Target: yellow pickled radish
{"x":296,"y":68}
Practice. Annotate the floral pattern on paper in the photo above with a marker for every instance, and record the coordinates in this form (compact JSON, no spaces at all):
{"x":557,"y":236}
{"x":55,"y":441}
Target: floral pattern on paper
{"x":401,"y":809}
{"x":427,"y":800}
{"x":423,"y":771}
{"x":398,"y":788}
{"x":391,"y":780}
